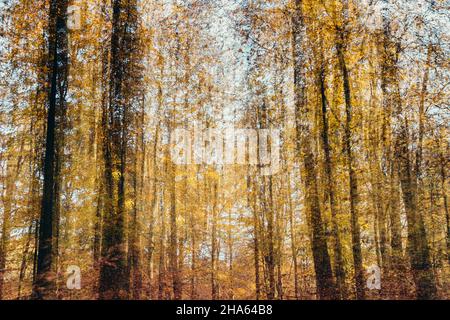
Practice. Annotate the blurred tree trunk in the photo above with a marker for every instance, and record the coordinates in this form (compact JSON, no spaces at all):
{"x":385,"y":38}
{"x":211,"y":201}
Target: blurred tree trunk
{"x":397,"y":263}
{"x":353,"y":182}
{"x":443,"y":173}
{"x":418,"y":250}
{"x":7,"y":199}
{"x":57,"y":68}
{"x":339,"y":271}
{"x":251,"y":202}
{"x":162,"y":247}
{"x":293,"y":239}
{"x":113,"y":282}
{"x":322,"y":265}
{"x":100,"y":126}
{"x":134,"y":247}
{"x":214,"y":245}
{"x":173,"y":241}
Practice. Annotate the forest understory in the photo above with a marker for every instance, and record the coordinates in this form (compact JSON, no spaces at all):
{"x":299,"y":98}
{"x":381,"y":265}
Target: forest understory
{"x":224,"y":149}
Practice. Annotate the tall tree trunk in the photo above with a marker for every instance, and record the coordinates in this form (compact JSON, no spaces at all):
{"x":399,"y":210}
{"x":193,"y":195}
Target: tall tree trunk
{"x":381,"y":218}
{"x":443,"y":173}
{"x":397,"y":255}
{"x":339,"y":271}
{"x":25,"y":258}
{"x":7,"y":199}
{"x":154,"y":166}
{"x":418,"y":250}
{"x":138,"y":207}
{"x":100,"y":131}
{"x":193,"y":227}
{"x":270,"y":257}
{"x":33,"y":205}
{"x":162,"y":248}
{"x":268,"y":213}
{"x":353,"y":182}
{"x":251,"y":202}
{"x":293,"y":239}
{"x":230,"y":256}
{"x":153,"y":209}
{"x":214,"y":246}
{"x":397,"y":261}
{"x":173,"y":247}
{"x":113,"y":282}
{"x":322,"y":265}
{"x":56,"y":102}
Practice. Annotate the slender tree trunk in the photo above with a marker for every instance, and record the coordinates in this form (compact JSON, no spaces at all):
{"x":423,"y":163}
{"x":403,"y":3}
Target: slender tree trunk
{"x":173,"y":248}
{"x":7,"y":199}
{"x":417,"y":242}
{"x":25,"y":257}
{"x":162,"y":249}
{"x":293,"y":240}
{"x":270,"y":258}
{"x":379,"y":209}
{"x":214,"y":247}
{"x":57,"y":89}
{"x":153,"y":208}
{"x":268,"y":211}
{"x":381,"y":221}
{"x":251,"y":201}
{"x":322,"y":265}
{"x":339,"y":271}
{"x":155,"y":182}
{"x":353,"y":182}
{"x":113,"y":282}
{"x":32,"y":209}
{"x":230,"y":256}
{"x":59,"y":158}
{"x":397,"y":257}
{"x":138,"y":207}
{"x":444,"y":195}
{"x":98,"y":229}
{"x":397,"y":261}
{"x":418,"y":249}
{"x":194,"y":231}
{"x":100,"y":149}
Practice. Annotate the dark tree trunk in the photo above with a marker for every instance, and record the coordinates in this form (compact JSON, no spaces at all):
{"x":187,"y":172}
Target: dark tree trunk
{"x":397,"y":262}
{"x":56,"y":104}
{"x":173,"y":241}
{"x":162,"y":249}
{"x":353,"y":182}
{"x":339,"y":271}
{"x":214,"y":248}
{"x":135,"y":229}
{"x":251,"y":201}
{"x":113,"y":282}
{"x":322,"y":265}
{"x":443,"y":162}
{"x":418,"y":250}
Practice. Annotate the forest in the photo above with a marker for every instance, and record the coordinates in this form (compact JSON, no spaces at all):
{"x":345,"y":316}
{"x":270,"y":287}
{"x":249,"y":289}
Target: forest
{"x":224,"y":149}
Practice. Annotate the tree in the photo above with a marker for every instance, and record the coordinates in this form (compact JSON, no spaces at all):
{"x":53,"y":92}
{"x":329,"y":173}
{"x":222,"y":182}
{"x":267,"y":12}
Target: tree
{"x":56,"y":108}
{"x":113,"y":282}
{"x":322,"y":265}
